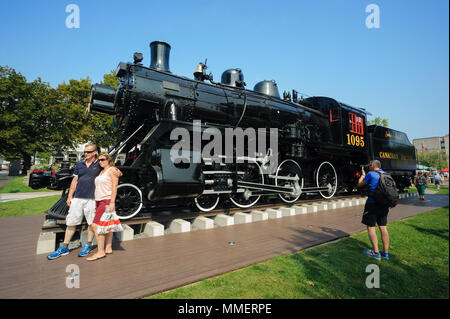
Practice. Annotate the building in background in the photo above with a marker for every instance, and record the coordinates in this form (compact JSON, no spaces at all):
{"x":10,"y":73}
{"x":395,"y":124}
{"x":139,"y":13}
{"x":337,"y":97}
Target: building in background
{"x":75,"y":155}
{"x":432,"y":144}
{"x":3,"y":163}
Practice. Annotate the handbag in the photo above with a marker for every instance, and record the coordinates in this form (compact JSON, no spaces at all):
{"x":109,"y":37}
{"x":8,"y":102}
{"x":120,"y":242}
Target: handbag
{"x":109,"y":222}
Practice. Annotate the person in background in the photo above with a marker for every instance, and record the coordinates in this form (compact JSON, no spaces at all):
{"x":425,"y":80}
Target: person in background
{"x":437,"y":180}
{"x":421,"y":184}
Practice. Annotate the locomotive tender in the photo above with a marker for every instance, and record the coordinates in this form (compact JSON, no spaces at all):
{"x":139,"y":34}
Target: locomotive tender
{"x":322,"y":143}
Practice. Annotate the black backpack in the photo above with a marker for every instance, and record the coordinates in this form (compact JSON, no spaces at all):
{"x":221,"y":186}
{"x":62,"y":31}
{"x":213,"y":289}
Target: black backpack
{"x":421,"y":180}
{"x":386,"y":193}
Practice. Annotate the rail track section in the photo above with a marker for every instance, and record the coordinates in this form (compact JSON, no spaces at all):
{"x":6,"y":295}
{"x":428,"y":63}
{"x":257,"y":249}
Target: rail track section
{"x":164,"y":222}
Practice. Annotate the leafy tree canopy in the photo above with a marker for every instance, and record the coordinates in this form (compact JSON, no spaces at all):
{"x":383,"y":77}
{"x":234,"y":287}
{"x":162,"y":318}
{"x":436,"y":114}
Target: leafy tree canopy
{"x":36,"y":118}
{"x":378,"y":121}
{"x":438,"y":160}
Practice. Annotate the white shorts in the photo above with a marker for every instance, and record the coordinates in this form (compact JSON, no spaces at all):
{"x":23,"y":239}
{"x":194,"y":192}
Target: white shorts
{"x":78,"y":208}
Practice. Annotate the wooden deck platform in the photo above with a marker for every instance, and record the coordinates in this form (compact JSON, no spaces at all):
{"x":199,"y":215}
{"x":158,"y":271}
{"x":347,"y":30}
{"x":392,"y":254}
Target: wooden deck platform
{"x":145,"y":266}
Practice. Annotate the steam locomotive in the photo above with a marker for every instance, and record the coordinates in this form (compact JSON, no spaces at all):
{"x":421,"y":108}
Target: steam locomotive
{"x":320,"y":143}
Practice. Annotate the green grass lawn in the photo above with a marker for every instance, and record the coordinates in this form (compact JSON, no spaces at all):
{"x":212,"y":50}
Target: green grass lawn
{"x":16,"y":185}
{"x":32,"y":206}
{"x":418,"y":268}
{"x":442,"y":191}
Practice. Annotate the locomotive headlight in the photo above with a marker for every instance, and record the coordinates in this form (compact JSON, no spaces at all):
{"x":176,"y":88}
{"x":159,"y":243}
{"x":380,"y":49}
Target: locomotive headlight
{"x":102,"y":99}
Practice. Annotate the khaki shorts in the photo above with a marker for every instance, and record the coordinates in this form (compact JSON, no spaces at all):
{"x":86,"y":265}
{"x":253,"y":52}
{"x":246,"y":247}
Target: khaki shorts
{"x":78,"y":208}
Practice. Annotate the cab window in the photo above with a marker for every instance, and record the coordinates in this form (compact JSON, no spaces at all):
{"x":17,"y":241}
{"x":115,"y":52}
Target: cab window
{"x":356,"y":123}
{"x":334,"y":114}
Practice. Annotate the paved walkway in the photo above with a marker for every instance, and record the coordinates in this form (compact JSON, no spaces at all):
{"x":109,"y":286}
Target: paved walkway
{"x":5,"y":179}
{"x":18,"y":196}
{"x":146,"y":266}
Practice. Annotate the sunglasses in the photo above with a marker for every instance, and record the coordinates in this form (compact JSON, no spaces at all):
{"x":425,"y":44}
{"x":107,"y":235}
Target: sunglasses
{"x":102,"y":159}
{"x":89,"y":152}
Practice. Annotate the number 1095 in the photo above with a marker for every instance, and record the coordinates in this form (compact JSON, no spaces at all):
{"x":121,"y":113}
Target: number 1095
{"x":355,"y":140}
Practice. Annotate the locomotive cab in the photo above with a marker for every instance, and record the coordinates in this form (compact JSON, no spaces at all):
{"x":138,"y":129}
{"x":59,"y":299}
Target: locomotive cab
{"x":347,"y":124}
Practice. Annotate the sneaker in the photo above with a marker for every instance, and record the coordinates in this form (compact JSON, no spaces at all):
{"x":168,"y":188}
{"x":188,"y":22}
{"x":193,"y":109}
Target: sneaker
{"x":371,"y":253}
{"x":384,"y":255}
{"x":59,"y":252}
{"x":85,"y":251}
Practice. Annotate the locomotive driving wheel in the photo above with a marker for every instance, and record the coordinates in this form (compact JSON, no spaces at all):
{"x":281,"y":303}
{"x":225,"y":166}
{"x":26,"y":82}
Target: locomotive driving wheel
{"x":207,"y":203}
{"x":128,"y":201}
{"x":326,"y":177}
{"x":252,"y":173}
{"x":289,"y":174}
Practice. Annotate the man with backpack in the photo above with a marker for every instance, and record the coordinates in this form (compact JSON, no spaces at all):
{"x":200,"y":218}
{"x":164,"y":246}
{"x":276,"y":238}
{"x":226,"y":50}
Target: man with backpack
{"x":382,"y":195}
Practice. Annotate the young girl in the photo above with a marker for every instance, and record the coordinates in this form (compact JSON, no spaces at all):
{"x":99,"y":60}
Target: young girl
{"x":105,"y":195}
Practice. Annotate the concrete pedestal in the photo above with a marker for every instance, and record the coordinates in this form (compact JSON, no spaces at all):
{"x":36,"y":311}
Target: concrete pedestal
{"x":321,"y":206}
{"x":242,"y":218}
{"x":310,"y":208}
{"x":201,"y":223}
{"x":46,"y":243}
{"x":153,"y":229}
{"x":287,"y":211}
{"x":330,"y":204}
{"x":126,"y":234}
{"x":222,"y":220}
{"x":274,"y":213}
{"x":258,"y":215}
{"x":179,"y":226}
{"x":300,"y":210}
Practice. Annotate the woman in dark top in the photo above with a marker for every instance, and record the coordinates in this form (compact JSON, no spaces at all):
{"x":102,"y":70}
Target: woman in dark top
{"x":421,"y":184}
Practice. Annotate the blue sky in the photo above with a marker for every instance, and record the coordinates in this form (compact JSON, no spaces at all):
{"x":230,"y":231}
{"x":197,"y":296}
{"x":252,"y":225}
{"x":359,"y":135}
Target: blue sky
{"x":399,"y":71}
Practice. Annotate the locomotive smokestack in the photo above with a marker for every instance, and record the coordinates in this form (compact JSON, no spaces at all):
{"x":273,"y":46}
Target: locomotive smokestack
{"x":160,"y":56}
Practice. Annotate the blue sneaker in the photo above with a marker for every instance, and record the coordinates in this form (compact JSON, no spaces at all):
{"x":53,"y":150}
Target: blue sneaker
{"x":59,"y":252}
{"x":85,"y":251}
{"x":384,"y":255}
{"x":371,"y":253}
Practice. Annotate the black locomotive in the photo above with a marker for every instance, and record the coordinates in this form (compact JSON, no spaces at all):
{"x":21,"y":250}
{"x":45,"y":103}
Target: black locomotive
{"x":321,"y":143}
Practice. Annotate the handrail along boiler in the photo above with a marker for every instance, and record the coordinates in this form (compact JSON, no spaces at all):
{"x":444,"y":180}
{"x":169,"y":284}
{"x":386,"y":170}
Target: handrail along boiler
{"x":322,"y":143}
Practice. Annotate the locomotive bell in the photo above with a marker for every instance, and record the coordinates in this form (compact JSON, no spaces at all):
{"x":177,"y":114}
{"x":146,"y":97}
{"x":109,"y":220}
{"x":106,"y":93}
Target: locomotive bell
{"x":268,"y":88}
{"x":200,"y":71}
{"x":159,"y":52}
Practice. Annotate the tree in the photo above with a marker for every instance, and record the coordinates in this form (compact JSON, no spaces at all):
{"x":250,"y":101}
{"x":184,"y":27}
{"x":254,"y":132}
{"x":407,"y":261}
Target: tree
{"x":378,"y":121}
{"x":96,"y":127}
{"x":23,"y":121}
{"x":438,"y":160}
{"x":99,"y":128}
{"x":110,"y":79}
{"x":35,"y":118}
